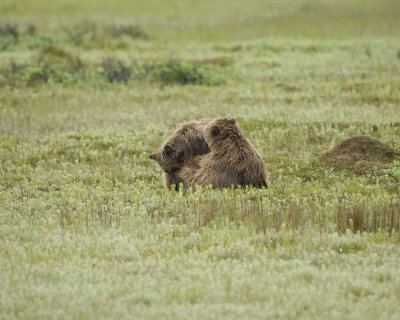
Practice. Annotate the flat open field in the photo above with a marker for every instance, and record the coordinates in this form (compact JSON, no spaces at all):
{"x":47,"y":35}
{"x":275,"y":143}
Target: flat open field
{"x":89,"y":88}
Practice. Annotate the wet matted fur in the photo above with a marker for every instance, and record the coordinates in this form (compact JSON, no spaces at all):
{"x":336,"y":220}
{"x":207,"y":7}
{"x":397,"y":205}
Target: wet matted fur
{"x":232,"y":160}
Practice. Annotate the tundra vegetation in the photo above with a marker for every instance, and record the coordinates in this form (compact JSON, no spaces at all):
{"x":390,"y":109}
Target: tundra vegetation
{"x":89,"y":88}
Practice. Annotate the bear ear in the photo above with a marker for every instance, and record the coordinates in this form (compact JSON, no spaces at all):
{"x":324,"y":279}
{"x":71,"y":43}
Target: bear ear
{"x":184,"y":130}
{"x":168,"y":150}
{"x":215,"y":131}
{"x":232,"y":121}
{"x":153,"y":156}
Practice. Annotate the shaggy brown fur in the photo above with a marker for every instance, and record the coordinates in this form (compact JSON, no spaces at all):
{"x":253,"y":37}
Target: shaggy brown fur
{"x":184,"y":175}
{"x":233,"y":161}
{"x":180,"y":149}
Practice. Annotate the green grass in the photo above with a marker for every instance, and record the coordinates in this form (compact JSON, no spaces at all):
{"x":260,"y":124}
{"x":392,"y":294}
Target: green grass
{"x":89,"y":89}
{"x":221,"y":20}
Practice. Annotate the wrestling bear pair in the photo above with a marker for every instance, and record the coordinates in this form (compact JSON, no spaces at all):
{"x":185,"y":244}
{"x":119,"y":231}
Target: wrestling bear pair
{"x":210,"y":152}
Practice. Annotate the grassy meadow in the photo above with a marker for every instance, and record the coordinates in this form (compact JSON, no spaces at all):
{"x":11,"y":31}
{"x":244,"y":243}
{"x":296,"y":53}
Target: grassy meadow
{"x":89,"y":88}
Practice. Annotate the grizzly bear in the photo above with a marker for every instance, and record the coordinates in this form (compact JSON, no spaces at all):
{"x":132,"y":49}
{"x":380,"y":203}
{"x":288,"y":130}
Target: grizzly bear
{"x":232,"y":160}
{"x":179,"y":151}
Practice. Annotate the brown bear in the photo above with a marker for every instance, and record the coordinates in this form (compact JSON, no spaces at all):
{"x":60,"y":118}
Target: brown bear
{"x":232,"y":160}
{"x":179,"y":151}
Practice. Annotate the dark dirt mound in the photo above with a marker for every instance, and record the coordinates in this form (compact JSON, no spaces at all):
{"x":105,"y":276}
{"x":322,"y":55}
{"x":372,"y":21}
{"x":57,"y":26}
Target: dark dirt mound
{"x":360,"y":152}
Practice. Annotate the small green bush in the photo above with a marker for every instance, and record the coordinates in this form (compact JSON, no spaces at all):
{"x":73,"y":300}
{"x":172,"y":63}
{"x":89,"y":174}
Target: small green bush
{"x":51,"y":64}
{"x":393,"y":172}
{"x":14,"y":36}
{"x":115,"y":71}
{"x":56,"y":56}
{"x":7,"y":42}
{"x":35,"y":74}
{"x":44,"y":73}
{"x":9,"y":30}
{"x":176,"y":72}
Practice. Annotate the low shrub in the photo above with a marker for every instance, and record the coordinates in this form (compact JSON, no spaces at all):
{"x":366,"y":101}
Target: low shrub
{"x":53,"y":55}
{"x":115,"y":71}
{"x":44,"y":73}
{"x":9,"y":30}
{"x":51,"y":64}
{"x":176,"y":72}
{"x":14,"y":35}
{"x":8,"y":36}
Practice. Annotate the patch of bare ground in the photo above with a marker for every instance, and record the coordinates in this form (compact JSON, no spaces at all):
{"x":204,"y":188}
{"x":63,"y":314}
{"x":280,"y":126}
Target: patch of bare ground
{"x":360,"y":152}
